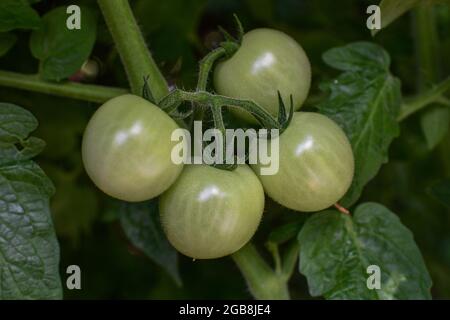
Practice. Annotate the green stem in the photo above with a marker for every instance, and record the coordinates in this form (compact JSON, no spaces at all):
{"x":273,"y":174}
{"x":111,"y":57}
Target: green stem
{"x":429,"y":63}
{"x":427,"y":45}
{"x":433,"y":95}
{"x":205,"y":67}
{"x":218,"y":119}
{"x":273,"y":249}
{"x":132,"y":49}
{"x":88,"y":92}
{"x":263,"y":282}
{"x":204,"y":98}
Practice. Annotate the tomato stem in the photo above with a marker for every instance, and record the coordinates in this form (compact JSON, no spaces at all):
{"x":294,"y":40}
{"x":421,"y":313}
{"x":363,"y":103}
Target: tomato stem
{"x":427,"y":50}
{"x":204,"y":98}
{"x":206,"y":65}
{"x":429,"y":65}
{"x":263,"y":282}
{"x":341,"y":208}
{"x":132,"y":48}
{"x":86,"y":92}
{"x":433,"y":95}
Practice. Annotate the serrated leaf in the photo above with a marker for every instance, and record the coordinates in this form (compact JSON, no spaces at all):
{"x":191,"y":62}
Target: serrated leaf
{"x":7,"y":41}
{"x":140,"y":222}
{"x":434,"y":122}
{"x":364,"y":100}
{"x":62,"y":51}
{"x":441,"y":191}
{"x":336,"y":250}
{"x":15,"y":123}
{"x":29,"y":251}
{"x":17,"y":14}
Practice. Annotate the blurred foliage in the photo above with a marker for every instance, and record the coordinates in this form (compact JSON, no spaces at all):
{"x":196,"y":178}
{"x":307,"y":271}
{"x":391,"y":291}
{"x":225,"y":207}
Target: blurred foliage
{"x":179,"y":33}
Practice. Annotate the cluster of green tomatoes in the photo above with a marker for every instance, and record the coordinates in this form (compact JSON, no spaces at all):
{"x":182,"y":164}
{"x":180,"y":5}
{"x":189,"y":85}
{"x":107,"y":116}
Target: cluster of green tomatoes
{"x":207,"y":212}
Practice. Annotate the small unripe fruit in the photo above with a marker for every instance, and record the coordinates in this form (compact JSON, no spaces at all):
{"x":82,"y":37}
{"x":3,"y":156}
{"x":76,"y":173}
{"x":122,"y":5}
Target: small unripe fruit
{"x":315,"y":164}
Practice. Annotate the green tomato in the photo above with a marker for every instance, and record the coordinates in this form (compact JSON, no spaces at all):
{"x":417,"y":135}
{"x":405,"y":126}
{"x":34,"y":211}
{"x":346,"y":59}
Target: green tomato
{"x":268,"y":60}
{"x":316,"y":164}
{"x":210,"y":213}
{"x":127,"y":149}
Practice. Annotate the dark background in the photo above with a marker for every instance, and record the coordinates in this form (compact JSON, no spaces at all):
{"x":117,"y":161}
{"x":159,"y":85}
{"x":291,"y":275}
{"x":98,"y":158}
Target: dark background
{"x":179,"y":33}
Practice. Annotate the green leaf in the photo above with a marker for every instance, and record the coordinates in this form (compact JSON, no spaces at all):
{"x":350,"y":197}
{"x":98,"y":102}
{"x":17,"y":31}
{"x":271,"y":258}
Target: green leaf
{"x":7,"y":41}
{"x":74,"y":207}
{"x":285,"y":232}
{"x":364,"y":100}
{"x":441,"y":191}
{"x":336,"y":250}
{"x":17,"y":14}
{"x":29,"y":251}
{"x":62,"y":51}
{"x":434,"y":123}
{"x":141,"y":224}
{"x":15,"y":125}
{"x":393,"y":9}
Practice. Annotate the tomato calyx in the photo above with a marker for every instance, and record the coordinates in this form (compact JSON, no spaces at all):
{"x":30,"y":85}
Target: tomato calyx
{"x":225,"y":50}
{"x":232,"y":44}
{"x":174,"y":99}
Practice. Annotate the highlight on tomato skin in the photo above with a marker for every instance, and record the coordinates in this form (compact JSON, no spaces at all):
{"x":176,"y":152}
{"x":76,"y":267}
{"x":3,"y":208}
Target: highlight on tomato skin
{"x":316,"y":164}
{"x":210,"y":213}
{"x":268,"y":61}
{"x":126,"y":149}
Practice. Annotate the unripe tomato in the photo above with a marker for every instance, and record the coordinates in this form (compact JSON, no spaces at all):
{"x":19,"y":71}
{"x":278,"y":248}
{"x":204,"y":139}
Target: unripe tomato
{"x":268,"y":60}
{"x":126,"y":149}
{"x":315,"y":164}
{"x":210,"y":213}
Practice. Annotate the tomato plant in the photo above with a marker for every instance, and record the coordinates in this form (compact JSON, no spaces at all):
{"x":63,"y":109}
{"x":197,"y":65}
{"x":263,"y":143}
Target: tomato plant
{"x":210,"y":213}
{"x":126,"y":149}
{"x":355,"y":111}
{"x":266,"y":62}
{"x":316,"y":164}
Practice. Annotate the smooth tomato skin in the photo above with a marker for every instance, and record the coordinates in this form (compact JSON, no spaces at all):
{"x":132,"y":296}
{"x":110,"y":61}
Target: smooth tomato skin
{"x":126,"y":149}
{"x":268,"y":60}
{"x":210,"y":213}
{"x":316,"y":164}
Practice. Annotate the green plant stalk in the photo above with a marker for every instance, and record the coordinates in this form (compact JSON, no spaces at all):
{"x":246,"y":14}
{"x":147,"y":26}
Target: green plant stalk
{"x":87,"y":92}
{"x":427,"y":52}
{"x":132,"y":48}
{"x":429,"y":63}
{"x":263,"y":282}
{"x":206,"y":65}
{"x":202,"y":98}
{"x":427,"y":45}
{"x":433,"y":95}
